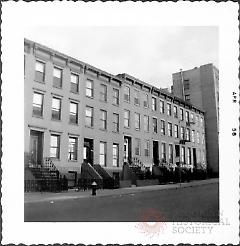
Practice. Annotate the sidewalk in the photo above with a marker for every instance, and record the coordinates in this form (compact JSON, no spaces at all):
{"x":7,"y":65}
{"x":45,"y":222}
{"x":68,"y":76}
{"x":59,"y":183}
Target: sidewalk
{"x":35,"y":197}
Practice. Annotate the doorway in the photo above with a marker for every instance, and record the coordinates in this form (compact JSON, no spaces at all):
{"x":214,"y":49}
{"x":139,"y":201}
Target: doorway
{"x":194,"y":157}
{"x":36,"y":148}
{"x":88,"y":150}
{"x":155,"y":152}
{"x":127,"y":149}
{"x":177,"y":154}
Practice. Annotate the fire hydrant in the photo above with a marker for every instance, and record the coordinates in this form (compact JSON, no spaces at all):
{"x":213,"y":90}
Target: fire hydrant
{"x":94,"y":188}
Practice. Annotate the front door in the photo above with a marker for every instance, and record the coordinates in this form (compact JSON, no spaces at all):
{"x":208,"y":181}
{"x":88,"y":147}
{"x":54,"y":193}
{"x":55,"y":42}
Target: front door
{"x":177,"y":154}
{"x":194,"y":157}
{"x":127,"y":149}
{"x":36,"y":148}
{"x":155,"y":153}
{"x":88,"y":150}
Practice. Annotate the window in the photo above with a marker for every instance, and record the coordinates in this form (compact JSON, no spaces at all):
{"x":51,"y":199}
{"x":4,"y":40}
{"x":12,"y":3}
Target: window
{"x":55,"y":146}
{"x":72,"y":148}
{"x":39,"y":71}
{"x":57,"y":77}
{"x":163,"y":127}
{"x":115,"y":155}
{"x":56,"y":108}
{"x":186,"y":84}
{"x":154,"y":104}
{"x":170,"y":153}
{"x":203,"y":138}
{"x":189,"y":156}
{"x":187,"y":97}
{"x":163,"y":152}
{"x":73,"y":113}
{"x":115,"y":96}
{"x":161,"y":107}
{"x":192,"y":117}
{"x":176,"y":131}
{"x":89,"y":116}
{"x":201,"y":121}
{"x":146,"y":123}
{"x":115,"y":122}
{"x":169,"y":109}
{"x":183,"y":154}
{"x":197,"y":120}
{"x":146,"y":148}
{"x":37,"y":104}
{"x":136,"y":98}
{"x":137,"y":121}
{"x":103,"y":93}
{"x":181,"y":114}
{"x":193,"y":136}
{"x":103,"y":154}
{"x":126,"y":118}
{"x":155,"y":125}
{"x":89,"y":88}
{"x":182,"y":132}
{"x":103,"y":119}
{"x":198,"y":137}
{"x":169,"y":129}
{"x":175,"y":113}
{"x":137,"y":146}
{"x":188,"y":134}
{"x":187,"y":116}
{"x":126,"y":94}
{"x":74,"y":83}
{"x":145,"y":101}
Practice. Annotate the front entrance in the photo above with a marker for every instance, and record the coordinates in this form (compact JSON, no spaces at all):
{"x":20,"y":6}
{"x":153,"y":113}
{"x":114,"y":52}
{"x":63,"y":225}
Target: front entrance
{"x":194,"y":157}
{"x":127,"y":149}
{"x":36,"y":148}
{"x":88,"y":150}
{"x":155,"y":153}
{"x":177,"y":154}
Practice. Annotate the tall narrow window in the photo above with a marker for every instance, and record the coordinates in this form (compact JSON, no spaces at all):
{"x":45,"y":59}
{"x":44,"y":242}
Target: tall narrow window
{"x":115,"y":155}
{"x":170,"y":153}
{"x":183,"y":160}
{"x":146,"y":148}
{"x":115,"y":122}
{"x":39,"y":71}
{"x":163,"y":127}
{"x":182,"y":132}
{"x":72,"y":148}
{"x":154,"y":125}
{"x":189,"y":156}
{"x":154,"y":104}
{"x":163,"y":152}
{"x":136,"y":98}
{"x":197,"y":120}
{"x":37,"y":104}
{"x":191,"y":118}
{"x":137,"y":121}
{"x":161,"y":107}
{"x":57,"y":77}
{"x":74,"y":83}
{"x":186,"y":84}
{"x":181,"y":114}
{"x":201,"y":120}
{"x":169,"y":129}
{"x":103,"y":93}
{"x":55,"y":146}
{"x":89,"y":88}
{"x":103,"y":154}
{"x":203,"y":138}
{"x":89,"y":116}
{"x":198,"y":138}
{"x":146,"y":123}
{"x":175,"y":112}
{"x":187,"y":116}
{"x":137,"y":146}
{"x":126,"y":94}
{"x":187,"y":134}
{"x":103,"y":119}
{"x":115,"y":96}
{"x":193,"y":136}
{"x":73,"y":118}
{"x":169,"y":109}
{"x":56,"y":108}
{"x":145,"y":101}
{"x":126,"y":118}
{"x":176,"y":131}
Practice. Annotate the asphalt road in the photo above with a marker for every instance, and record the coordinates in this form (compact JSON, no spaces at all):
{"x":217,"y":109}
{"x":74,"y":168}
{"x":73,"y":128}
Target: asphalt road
{"x":192,"y":204}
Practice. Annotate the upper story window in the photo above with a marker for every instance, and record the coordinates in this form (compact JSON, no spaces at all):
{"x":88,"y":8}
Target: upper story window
{"x":146,"y":148}
{"x":56,"y":108}
{"x":115,"y":122}
{"x":154,"y":125}
{"x":187,"y":116}
{"x":89,"y":116}
{"x":137,"y":121}
{"x":103,"y":154}
{"x":73,"y":117}
{"x":37,"y":104}
{"x":163,"y":127}
{"x":198,"y":140}
{"x":176,"y":131}
{"x":182,"y":132}
{"x":169,"y":109}
{"x":146,"y":123}
{"x":126,"y":118}
{"x":115,"y":155}
{"x":103,"y":93}
{"x":154,"y":104}
{"x":72,"y":148}
{"x":39,"y":71}
{"x":203,"y":138}
{"x":186,"y":84}
{"x":57,"y":77}
{"x":193,"y":136}
{"x":201,"y":121}
{"x":188,"y":134}
{"x":192,"y":117}
{"x":115,"y":96}
{"x":74,"y":83}
{"x":197,"y":120}
{"x":103,"y":119}
{"x":55,"y":146}
{"x":161,"y":107}
{"x":175,"y":112}
{"x":163,"y":152}
{"x":169,"y":129}
{"x":145,"y":101}
{"x":137,"y":146}
{"x":136,"y":98}
{"x":89,"y":88}
{"x":126,"y":94}
{"x":187,"y":97}
{"x":181,"y":114}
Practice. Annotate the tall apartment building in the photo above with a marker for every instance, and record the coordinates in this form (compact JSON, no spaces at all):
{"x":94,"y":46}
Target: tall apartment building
{"x":200,"y":87}
{"x":76,"y":112}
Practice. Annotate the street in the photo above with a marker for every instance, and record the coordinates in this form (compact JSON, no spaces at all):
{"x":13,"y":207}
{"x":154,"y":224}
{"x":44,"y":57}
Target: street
{"x":193,"y":204}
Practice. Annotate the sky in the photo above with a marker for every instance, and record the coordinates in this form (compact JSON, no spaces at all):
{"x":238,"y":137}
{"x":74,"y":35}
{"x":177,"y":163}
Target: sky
{"x":151,"y":54}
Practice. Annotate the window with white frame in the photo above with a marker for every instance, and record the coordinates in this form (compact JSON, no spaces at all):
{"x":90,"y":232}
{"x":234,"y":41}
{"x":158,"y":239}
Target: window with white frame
{"x":192,"y":117}
{"x":154,"y":104}
{"x":161,"y":103}
{"x":37,"y":104}
{"x":115,"y":122}
{"x":126,"y":118}
{"x":137,"y":121}
{"x":74,"y":83}
{"x":183,"y":160}
{"x":89,"y":88}
{"x":145,"y":101}
{"x":181,"y":114}
{"x":115,"y":155}
{"x":137,"y":146}
{"x":198,"y":140}
{"x":103,"y":93}
{"x":56,"y":108}
{"x":126,"y":93}
{"x":89,"y":116}
{"x":115,"y":96}
{"x":146,"y":147}
{"x":73,"y":117}
{"x":57,"y":77}
{"x":103,"y":153}
{"x":146,"y":123}
{"x":193,"y":136}
{"x":175,"y":112}
{"x":169,"y":109}
{"x":182,"y":132}
{"x":136,"y":98}
{"x":169,"y":129}
{"x":163,"y":127}
{"x":55,"y":146}
{"x":176,"y":131}
{"x":187,"y":134}
{"x":39,"y":71}
{"x":72,"y":148}
{"x":154,"y":125}
{"x":103,"y":119}
{"x":163,"y":152}
{"x":203,"y":138}
{"x":187,"y":116}
{"x":170,"y":153}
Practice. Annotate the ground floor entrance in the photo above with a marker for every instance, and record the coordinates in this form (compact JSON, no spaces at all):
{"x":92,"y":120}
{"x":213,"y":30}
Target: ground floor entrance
{"x":36,"y":148}
{"x":88,"y":150}
{"x":127,"y":148}
{"x":155,"y":153}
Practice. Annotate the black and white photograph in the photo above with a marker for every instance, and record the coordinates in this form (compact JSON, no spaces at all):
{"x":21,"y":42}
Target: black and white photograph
{"x":123,"y":120}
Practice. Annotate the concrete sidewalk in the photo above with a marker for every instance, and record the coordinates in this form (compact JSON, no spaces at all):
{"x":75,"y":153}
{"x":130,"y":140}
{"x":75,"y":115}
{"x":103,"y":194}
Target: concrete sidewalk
{"x":32,"y":197}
